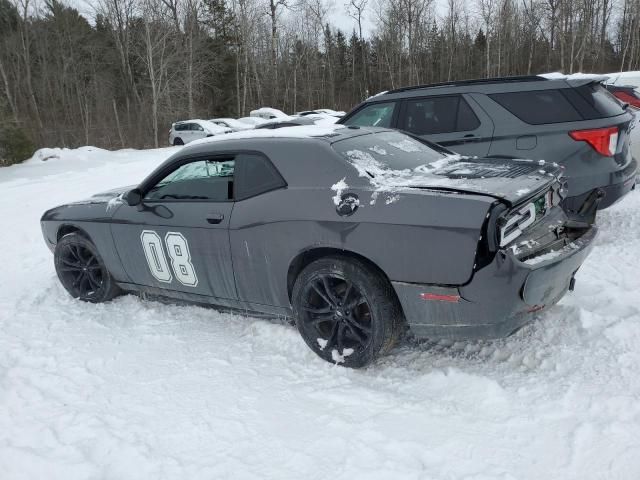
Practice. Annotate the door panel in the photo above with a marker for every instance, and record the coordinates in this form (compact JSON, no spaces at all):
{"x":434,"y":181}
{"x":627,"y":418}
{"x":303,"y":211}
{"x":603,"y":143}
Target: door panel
{"x":454,"y":121}
{"x":174,"y":245}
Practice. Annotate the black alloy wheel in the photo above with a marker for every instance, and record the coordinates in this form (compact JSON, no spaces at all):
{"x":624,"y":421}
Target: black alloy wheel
{"x":82,"y":271}
{"x":345,"y":311}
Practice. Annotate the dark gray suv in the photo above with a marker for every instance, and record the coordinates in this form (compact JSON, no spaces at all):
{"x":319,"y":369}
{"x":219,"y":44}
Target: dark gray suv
{"x":574,"y":122}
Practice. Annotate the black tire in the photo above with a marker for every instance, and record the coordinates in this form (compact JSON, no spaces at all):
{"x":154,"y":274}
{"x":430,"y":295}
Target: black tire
{"x":177,"y":141}
{"x":82,"y":271}
{"x":346,"y":311}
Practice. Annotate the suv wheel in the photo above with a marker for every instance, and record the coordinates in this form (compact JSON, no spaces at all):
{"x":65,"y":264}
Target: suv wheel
{"x":345,"y":311}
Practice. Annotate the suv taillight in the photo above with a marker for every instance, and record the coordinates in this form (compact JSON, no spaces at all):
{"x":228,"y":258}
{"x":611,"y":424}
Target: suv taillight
{"x":603,"y":140}
{"x":627,"y":98}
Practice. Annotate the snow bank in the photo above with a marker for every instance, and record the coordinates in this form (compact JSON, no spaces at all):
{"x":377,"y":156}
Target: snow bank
{"x":137,"y":389}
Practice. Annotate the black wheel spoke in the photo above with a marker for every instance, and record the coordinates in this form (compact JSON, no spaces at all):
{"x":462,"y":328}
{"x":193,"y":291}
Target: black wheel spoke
{"x":327,"y":288}
{"x":356,"y":324}
{"x":340,"y":337}
{"x":77,"y":253}
{"x":347,"y":291}
{"x":317,"y":310}
{"x":70,"y":269}
{"x":71,"y":264}
{"x":95,"y":282}
{"x":331,"y":341}
{"x":319,"y":320}
{"x":82,"y":286}
{"x":78,"y":279}
{"x":356,"y":302}
{"x":357,"y":336}
{"x":321,"y":294}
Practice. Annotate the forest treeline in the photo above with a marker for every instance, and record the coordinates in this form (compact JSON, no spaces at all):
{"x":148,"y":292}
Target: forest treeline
{"x":119,"y":76}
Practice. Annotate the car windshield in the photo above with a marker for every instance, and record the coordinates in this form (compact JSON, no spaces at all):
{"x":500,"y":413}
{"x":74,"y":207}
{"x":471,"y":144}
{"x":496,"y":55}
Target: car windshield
{"x":382,"y":152}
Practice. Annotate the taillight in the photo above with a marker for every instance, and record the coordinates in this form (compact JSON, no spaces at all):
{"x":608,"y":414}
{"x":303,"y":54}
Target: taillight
{"x":603,"y":140}
{"x":627,"y":98}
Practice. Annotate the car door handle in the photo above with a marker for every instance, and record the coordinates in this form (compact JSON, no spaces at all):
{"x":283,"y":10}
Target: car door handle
{"x":215,"y":218}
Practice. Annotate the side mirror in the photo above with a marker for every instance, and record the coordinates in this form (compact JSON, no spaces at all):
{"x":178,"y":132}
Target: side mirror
{"x":132,"y":197}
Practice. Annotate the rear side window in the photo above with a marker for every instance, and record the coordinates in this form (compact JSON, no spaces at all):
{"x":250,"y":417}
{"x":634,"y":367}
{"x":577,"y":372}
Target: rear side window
{"x":538,"y":107}
{"x":373,"y":115}
{"x":181,"y":127}
{"x":586,"y":102}
{"x":255,"y":174}
{"x":433,"y":115}
{"x":600,"y":102}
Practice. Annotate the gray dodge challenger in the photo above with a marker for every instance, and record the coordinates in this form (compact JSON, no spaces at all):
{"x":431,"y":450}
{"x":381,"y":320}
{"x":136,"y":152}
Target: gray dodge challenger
{"x":354,"y":233}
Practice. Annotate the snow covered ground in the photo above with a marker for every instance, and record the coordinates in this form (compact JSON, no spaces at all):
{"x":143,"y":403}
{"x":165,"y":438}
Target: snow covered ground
{"x":141,"y":390}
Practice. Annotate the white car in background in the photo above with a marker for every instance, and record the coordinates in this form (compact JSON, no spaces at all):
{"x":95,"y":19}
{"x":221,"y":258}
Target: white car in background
{"x":269,"y":113}
{"x":631,"y":79}
{"x":187,"y":131}
{"x":253,"y":121}
{"x":232,"y":123}
{"x":322,"y":111}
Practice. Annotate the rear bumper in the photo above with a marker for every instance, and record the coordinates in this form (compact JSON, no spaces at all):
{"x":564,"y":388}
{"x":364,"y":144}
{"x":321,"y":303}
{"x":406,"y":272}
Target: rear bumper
{"x":501,"y":297}
{"x":620,"y":183}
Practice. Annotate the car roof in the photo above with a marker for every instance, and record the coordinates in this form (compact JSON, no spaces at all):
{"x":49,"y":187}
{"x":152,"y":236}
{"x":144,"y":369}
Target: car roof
{"x":482,"y":85}
{"x":244,"y":139}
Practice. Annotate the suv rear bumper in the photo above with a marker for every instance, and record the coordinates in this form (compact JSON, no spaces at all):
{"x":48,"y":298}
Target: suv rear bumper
{"x":620,"y":183}
{"x":499,"y":300}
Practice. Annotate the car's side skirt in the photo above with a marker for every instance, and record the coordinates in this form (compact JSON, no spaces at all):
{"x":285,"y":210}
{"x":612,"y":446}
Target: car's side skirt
{"x":204,"y":300}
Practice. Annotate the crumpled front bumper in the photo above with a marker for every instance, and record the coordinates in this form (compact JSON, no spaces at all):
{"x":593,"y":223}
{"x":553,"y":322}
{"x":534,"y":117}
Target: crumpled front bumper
{"x":500,"y":298}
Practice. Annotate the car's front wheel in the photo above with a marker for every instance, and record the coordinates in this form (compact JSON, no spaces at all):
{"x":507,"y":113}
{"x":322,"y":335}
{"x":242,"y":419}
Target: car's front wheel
{"x":82,"y":271}
{"x":346,"y":311}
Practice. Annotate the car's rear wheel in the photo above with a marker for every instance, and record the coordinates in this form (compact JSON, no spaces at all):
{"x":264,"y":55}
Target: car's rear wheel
{"x":178,"y":141}
{"x":82,"y":271}
{"x":346,"y":311}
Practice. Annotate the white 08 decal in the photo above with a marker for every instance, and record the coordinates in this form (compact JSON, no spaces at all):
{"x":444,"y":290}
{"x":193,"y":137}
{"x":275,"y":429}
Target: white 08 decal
{"x":178,"y":250}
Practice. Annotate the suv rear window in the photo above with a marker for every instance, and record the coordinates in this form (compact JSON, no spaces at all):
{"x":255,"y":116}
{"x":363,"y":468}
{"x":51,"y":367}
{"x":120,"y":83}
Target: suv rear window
{"x":600,"y":100}
{"x":537,"y":107}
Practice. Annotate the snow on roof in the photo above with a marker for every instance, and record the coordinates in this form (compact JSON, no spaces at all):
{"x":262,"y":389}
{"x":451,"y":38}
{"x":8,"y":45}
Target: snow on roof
{"x":301,"y":131}
{"x":573,"y":76}
{"x":268,"y":111}
{"x":233,"y":122}
{"x":377,"y":94}
{"x":633,"y":74}
{"x":253,"y":120}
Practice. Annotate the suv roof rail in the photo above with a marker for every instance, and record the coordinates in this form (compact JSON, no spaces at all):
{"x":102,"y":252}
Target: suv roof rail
{"x":477,"y":81}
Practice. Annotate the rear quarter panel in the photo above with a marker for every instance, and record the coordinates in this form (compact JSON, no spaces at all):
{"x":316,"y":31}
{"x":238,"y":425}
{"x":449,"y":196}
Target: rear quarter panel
{"x":413,"y":237}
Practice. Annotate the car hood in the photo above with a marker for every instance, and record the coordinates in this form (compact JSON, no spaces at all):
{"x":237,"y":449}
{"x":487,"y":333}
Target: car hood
{"x":110,"y":194}
{"x":512,"y":180}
